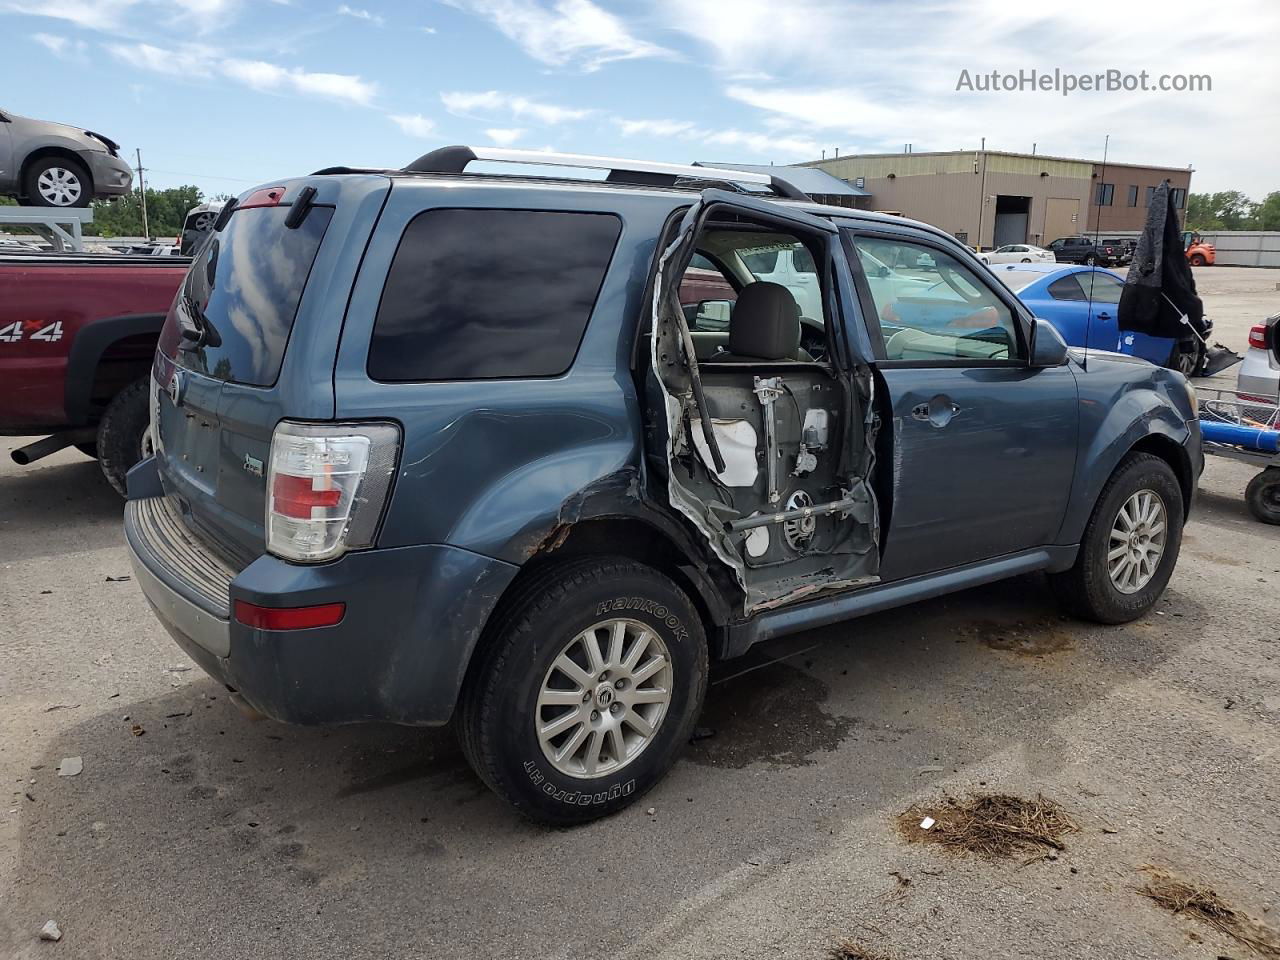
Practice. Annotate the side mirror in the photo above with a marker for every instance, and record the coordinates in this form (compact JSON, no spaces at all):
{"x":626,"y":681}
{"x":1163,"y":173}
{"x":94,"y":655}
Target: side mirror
{"x":882,"y":271}
{"x":713,"y":314}
{"x":1048,"y":349}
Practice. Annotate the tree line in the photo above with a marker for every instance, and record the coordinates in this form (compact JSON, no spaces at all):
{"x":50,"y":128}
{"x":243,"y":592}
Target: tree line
{"x":122,"y":217}
{"x":1232,"y":210}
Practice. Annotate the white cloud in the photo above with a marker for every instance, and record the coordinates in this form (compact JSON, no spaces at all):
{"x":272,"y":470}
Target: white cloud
{"x":774,"y":146}
{"x":361,"y":14}
{"x":200,"y":60}
{"x":91,"y":14}
{"x":563,"y":32}
{"x":853,"y":72}
{"x":465,"y":103}
{"x":432,"y":31}
{"x":654,"y":128}
{"x":504,"y":136}
{"x":414,"y":124}
{"x":60,"y":46}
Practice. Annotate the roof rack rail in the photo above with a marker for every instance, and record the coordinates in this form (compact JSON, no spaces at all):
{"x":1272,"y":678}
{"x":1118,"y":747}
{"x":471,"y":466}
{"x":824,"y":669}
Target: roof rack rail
{"x":647,"y":173}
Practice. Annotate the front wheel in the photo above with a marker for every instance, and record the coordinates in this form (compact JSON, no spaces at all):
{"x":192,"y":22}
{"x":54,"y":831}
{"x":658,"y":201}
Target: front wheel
{"x":1130,"y":545}
{"x":1262,"y":495}
{"x":1090,"y":261}
{"x":57,"y":182}
{"x":1197,"y":260}
{"x":588,"y":688}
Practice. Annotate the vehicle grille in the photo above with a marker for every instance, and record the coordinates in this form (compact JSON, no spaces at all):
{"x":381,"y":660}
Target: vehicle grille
{"x":159,"y":528}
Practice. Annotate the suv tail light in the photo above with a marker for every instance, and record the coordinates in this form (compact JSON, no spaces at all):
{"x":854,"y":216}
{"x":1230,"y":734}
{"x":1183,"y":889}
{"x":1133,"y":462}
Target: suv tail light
{"x":326,"y":487}
{"x":1258,"y":336}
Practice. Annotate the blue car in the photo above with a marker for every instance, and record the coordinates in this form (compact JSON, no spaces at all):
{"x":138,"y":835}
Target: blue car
{"x":1082,"y":303}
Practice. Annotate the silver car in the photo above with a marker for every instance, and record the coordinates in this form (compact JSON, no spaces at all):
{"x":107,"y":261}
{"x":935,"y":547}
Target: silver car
{"x":1260,"y":371}
{"x":53,"y":165}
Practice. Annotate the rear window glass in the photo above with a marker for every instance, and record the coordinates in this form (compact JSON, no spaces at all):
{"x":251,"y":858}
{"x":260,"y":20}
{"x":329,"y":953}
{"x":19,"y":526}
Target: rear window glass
{"x":1018,"y":280}
{"x":485,"y":294}
{"x":246,"y":283}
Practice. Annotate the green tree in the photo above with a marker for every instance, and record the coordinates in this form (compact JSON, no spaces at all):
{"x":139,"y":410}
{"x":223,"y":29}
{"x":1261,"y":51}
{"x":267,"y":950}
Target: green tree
{"x":1226,"y":210}
{"x":166,"y":210}
{"x":1268,"y":215}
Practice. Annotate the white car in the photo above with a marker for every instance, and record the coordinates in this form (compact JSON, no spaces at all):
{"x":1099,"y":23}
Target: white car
{"x":1018,"y":253}
{"x":1260,"y":370}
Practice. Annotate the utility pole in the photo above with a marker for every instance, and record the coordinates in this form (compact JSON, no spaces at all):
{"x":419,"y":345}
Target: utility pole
{"x":982,"y":196}
{"x":142,"y":193}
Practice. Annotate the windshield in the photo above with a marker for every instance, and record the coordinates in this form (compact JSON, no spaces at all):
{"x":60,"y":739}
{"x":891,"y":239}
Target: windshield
{"x":237,"y":304}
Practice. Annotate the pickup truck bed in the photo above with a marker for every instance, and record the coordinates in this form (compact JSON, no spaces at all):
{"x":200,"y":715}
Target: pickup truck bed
{"x":76,"y":332}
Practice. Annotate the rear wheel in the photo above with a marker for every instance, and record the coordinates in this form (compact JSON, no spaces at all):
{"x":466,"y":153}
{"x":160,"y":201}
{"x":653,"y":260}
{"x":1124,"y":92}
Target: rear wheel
{"x":57,"y":182}
{"x":589,"y":689}
{"x":1197,"y":260}
{"x":1262,"y":495}
{"x":1130,"y":545}
{"x":1090,"y":260}
{"x":123,"y":437}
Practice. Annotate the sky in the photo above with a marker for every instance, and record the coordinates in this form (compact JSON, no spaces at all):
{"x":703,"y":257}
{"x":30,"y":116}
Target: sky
{"x":227,"y":94}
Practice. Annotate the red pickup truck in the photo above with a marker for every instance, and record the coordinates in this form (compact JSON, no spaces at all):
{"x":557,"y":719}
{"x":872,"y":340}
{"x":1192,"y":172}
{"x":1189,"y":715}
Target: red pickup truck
{"x":77,"y":334}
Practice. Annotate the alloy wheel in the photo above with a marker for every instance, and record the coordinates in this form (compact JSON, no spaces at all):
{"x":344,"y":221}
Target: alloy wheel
{"x":59,"y":186}
{"x":603,"y":698}
{"x":1137,"y":541}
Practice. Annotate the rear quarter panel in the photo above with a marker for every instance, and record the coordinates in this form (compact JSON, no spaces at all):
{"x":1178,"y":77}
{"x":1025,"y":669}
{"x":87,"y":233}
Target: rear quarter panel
{"x":37,"y":293}
{"x":1124,"y":401}
{"x":487,"y":464}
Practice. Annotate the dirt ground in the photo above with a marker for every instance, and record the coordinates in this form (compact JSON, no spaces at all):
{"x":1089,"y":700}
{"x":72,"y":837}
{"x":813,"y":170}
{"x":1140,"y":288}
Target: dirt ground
{"x":210,"y":835}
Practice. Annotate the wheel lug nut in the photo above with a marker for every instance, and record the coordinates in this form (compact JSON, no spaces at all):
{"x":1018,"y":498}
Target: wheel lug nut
{"x":586,"y":697}
{"x":595,"y":715}
{"x":616,"y":709}
{"x":620,"y":684}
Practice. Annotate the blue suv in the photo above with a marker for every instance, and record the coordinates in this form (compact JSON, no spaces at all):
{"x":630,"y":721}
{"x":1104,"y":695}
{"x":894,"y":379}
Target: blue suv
{"x":438,"y":445}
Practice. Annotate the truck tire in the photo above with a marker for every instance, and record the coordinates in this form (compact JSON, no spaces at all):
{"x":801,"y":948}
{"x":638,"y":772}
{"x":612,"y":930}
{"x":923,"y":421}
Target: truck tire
{"x":1090,"y":260}
{"x":1262,"y":495}
{"x":122,"y":433}
{"x":1130,"y":545}
{"x":57,"y":182}
{"x":1197,"y":260}
{"x":566,"y":735}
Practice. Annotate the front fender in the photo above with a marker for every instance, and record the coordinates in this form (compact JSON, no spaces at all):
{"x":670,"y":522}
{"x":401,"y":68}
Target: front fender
{"x":1112,"y":424}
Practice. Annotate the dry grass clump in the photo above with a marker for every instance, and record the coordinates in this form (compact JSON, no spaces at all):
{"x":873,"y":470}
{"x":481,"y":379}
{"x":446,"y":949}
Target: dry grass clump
{"x":853,"y":950}
{"x":1201,"y":903}
{"x":990,"y":825}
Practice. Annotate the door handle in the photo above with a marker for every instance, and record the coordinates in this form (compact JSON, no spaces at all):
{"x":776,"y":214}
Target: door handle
{"x":939,"y":411}
{"x":1104,"y":316}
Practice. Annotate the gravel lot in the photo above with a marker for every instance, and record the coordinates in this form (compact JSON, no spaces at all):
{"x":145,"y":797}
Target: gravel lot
{"x":210,"y":835}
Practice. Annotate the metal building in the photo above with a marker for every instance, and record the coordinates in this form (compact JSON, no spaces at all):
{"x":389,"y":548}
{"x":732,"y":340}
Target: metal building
{"x":987,"y":198}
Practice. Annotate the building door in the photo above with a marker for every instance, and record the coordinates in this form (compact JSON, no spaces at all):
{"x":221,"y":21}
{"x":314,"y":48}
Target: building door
{"x":1061,"y":219}
{"x":1012,"y":214}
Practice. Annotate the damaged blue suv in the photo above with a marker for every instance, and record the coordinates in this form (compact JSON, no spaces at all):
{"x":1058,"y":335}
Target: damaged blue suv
{"x":438,"y":444}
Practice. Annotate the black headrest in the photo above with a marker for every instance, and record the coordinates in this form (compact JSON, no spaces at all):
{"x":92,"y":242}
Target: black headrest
{"x":765,"y":322}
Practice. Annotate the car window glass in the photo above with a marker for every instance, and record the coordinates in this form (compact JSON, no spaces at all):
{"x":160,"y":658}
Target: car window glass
{"x":933,"y":307}
{"x":475,"y":294}
{"x":1101,"y":287}
{"x":1066,"y":288}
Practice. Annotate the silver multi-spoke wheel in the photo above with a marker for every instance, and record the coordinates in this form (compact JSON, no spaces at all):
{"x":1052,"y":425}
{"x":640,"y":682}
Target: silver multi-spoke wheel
{"x":1137,"y":541}
{"x":59,"y":186}
{"x":604,"y":698}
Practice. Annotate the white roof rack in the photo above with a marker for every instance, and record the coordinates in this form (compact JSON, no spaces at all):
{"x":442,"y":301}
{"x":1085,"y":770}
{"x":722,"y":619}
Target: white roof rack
{"x":456,"y":158}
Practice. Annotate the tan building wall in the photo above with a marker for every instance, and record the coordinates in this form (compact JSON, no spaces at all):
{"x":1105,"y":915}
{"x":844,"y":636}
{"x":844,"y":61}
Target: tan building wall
{"x":948,"y":190}
{"x":1120,"y":215}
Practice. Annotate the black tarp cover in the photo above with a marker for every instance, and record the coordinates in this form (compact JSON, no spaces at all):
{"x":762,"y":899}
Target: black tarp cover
{"x":1160,"y":289}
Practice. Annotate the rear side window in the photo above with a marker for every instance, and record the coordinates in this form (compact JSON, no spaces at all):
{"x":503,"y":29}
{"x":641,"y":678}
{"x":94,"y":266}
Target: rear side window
{"x":486,"y":294}
{"x":246,"y":283}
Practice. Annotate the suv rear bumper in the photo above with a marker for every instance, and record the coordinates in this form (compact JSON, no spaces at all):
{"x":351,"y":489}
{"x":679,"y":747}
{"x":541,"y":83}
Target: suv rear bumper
{"x":413,"y":617}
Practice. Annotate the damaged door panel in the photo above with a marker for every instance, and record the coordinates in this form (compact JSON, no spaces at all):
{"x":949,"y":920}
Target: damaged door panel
{"x":766,"y":452}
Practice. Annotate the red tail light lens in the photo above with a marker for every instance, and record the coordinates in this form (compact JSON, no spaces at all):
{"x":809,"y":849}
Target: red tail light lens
{"x":289,"y":618}
{"x":297,"y":496}
{"x":1258,"y":336}
{"x":266,"y":197}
